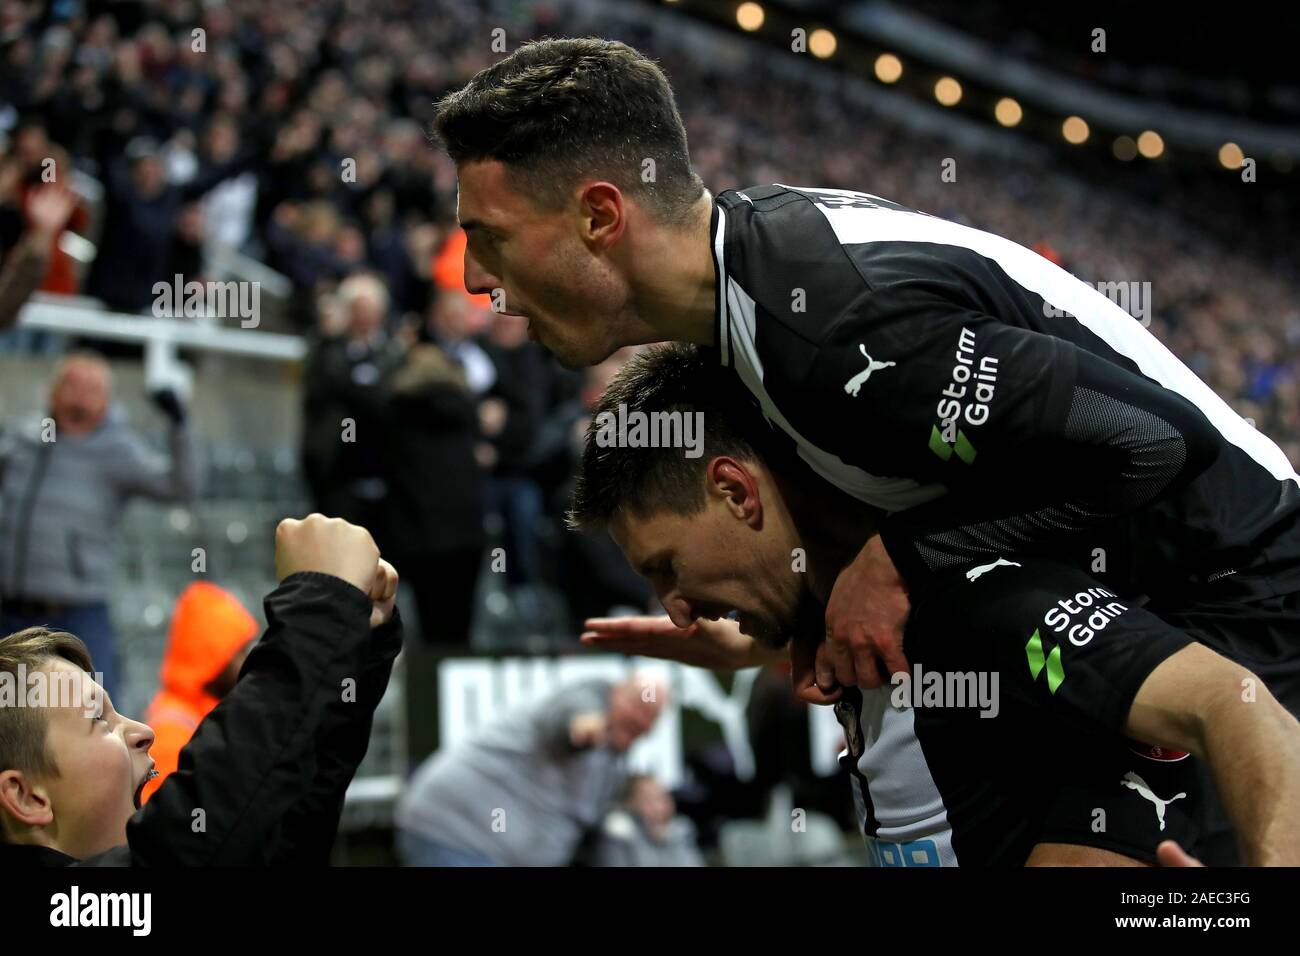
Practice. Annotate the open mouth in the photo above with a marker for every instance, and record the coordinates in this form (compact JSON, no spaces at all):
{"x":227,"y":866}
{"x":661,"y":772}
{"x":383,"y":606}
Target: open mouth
{"x":138,"y":797}
{"x":716,"y":612}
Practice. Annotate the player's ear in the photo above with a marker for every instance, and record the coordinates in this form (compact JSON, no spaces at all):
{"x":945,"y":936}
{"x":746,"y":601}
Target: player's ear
{"x":730,"y":480}
{"x":604,"y":215}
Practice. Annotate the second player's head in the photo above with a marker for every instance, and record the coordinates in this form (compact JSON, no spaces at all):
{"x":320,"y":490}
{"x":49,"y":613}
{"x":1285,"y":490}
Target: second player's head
{"x":570,"y":155}
{"x":701,"y":518}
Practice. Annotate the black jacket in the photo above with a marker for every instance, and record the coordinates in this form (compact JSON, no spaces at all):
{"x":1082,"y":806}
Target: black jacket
{"x":436,"y":484}
{"x":270,"y":765}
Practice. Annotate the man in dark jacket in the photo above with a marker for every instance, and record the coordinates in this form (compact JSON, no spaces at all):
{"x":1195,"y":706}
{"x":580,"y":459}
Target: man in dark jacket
{"x":264,"y":778}
{"x":436,"y":500}
{"x":140,"y":219}
{"x":342,"y":450}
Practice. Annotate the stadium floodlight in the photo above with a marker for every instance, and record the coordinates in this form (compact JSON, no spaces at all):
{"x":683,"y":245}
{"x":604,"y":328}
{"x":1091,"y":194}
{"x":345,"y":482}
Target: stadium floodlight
{"x":947,"y":91}
{"x":1008,"y":112}
{"x":1150,"y":144}
{"x":822,"y":43}
{"x":1075,"y":130}
{"x":750,"y":16}
{"x":888,"y":68}
{"x":1231,"y":156}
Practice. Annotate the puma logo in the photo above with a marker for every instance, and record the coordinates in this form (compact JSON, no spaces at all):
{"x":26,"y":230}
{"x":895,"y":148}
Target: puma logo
{"x":983,"y":569}
{"x":854,"y":385}
{"x":1134,"y":782}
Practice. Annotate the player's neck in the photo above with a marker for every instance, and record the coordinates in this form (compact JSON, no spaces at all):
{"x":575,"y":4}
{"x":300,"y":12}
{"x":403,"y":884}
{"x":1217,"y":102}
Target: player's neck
{"x":831,"y":526}
{"x":676,"y":293}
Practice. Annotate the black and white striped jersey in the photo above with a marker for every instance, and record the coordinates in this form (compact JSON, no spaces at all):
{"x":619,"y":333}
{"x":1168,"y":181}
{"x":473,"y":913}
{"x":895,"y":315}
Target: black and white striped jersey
{"x":1010,"y":730}
{"x":989,"y":402}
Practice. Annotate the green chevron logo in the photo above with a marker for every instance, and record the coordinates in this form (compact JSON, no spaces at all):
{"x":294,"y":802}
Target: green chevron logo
{"x":1051,"y":663}
{"x":964,"y":449}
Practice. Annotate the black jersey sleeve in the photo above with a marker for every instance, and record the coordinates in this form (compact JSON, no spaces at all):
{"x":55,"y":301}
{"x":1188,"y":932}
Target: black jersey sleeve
{"x":1032,"y":436}
{"x":1060,"y":641}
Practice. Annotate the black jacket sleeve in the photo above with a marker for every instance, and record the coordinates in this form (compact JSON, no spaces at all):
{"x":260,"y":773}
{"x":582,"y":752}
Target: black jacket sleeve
{"x":255,"y":761}
{"x":310,"y":829}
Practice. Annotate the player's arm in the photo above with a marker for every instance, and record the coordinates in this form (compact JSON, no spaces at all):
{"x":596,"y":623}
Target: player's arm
{"x":1201,"y":702}
{"x":1108,"y":668}
{"x":1071,"y":854}
{"x":1015,"y":424}
{"x":1033,"y":439}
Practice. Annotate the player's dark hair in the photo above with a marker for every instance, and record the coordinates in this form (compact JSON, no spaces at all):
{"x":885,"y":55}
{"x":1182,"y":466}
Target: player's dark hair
{"x":560,"y":111}
{"x":647,"y":481}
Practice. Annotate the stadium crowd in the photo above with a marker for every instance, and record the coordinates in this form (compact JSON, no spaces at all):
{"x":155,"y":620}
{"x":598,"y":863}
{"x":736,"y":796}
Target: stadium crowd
{"x":295,"y":133}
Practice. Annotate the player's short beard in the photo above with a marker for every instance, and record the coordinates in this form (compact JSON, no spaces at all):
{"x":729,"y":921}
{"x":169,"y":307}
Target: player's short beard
{"x":808,"y":620}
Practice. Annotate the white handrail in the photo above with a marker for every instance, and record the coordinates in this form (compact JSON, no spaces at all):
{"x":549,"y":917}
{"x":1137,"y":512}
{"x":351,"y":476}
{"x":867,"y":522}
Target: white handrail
{"x":71,"y":316}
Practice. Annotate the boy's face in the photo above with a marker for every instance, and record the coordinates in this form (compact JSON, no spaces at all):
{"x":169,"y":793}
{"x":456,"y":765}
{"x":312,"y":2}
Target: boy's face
{"x":103,"y":760}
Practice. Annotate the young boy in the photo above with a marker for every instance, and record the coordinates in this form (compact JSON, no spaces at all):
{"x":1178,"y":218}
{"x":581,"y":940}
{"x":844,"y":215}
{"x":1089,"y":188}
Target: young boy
{"x":263,"y":779}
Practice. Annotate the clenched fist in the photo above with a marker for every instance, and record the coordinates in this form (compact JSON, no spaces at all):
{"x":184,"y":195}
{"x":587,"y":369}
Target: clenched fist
{"x":329,"y":546}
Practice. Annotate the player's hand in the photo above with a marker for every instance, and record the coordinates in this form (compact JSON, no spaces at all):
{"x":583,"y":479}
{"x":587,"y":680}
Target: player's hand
{"x":1169,"y":853}
{"x":864,"y":623}
{"x":805,"y":655}
{"x":717,"y":645}
{"x":329,"y":546}
{"x":383,"y":594}
{"x":588,"y":730}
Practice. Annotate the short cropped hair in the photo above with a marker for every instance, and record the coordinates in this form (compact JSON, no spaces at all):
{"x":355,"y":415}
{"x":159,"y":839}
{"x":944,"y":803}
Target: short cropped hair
{"x":646,"y":481}
{"x":557,"y":111}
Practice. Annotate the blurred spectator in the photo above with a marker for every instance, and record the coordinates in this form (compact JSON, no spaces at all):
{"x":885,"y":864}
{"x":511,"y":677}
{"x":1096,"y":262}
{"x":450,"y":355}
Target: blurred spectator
{"x":430,"y":427}
{"x":595,"y":577}
{"x":48,"y":210}
{"x":454,"y":324}
{"x":529,"y":787}
{"x":35,"y":165}
{"x":228,"y":207}
{"x":511,"y":416}
{"x":64,"y":483}
{"x":304,"y":243}
{"x":343,"y":427}
{"x":646,"y":830}
{"x":140,"y":218}
{"x":185,"y":257}
{"x":211,"y":634}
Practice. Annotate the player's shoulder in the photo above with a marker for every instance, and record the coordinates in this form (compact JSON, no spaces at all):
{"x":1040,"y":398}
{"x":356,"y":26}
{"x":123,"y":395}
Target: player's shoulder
{"x":770,"y":197}
{"x":788,"y":282}
{"x":816,"y":260}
